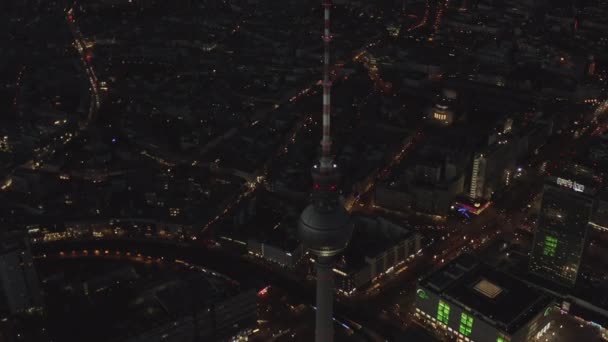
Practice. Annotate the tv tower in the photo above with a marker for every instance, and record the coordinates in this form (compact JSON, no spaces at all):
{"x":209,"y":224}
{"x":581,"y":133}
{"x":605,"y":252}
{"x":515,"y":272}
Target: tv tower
{"x":325,"y":226}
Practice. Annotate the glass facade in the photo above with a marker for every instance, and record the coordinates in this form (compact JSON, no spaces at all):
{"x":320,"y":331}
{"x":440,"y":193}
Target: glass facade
{"x":561,"y":233}
{"x":443,"y":312}
{"x":466,"y":324}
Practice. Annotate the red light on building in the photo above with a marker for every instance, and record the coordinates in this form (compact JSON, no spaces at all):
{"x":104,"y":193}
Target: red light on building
{"x":263,"y":291}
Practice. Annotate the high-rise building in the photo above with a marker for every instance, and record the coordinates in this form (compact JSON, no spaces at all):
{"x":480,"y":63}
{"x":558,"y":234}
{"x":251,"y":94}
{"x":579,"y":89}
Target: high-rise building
{"x":325,"y":227}
{"x":19,"y":283}
{"x":493,"y":167}
{"x":562,"y":228}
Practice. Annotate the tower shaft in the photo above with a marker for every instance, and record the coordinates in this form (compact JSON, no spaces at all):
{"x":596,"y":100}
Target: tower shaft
{"x":326,"y":140}
{"x":325,"y":300}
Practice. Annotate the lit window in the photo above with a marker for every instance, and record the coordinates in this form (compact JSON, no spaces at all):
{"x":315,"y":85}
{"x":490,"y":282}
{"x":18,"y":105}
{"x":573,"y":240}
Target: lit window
{"x":439,"y":116}
{"x":550,"y":246}
{"x":173,"y":212}
{"x":501,"y":339}
{"x":443,"y":312}
{"x":466,"y":324}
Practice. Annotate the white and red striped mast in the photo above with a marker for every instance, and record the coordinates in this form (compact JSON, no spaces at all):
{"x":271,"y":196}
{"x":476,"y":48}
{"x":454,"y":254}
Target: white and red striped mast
{"x":326,"y":159}
{"x":325,"y":227}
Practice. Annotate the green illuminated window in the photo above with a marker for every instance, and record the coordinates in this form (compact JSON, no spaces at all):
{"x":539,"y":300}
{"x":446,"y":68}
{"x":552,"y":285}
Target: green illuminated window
{"x":501,"y":339}
{"x":466,"y":324}
{"x":550,"y":246}
{"x":443,"y":312}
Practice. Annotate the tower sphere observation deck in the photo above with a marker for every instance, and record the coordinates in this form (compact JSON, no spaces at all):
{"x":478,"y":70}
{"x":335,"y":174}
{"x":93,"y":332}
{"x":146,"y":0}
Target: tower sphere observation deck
{"x":325,"y":226}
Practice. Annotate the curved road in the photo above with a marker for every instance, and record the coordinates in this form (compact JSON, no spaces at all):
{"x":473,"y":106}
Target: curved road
{"x":241,"y":268}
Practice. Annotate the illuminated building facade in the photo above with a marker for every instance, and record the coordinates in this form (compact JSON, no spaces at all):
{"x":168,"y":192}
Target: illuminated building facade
{"x":441,"y":113}
{"x":286,"y":253}
{"x":493,"y":168}
{"x":562,"y":230}
{"x":468,"y":300}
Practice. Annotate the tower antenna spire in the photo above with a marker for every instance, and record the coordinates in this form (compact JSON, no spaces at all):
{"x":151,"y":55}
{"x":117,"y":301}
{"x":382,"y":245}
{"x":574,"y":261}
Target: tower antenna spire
{"x":326,"y":159}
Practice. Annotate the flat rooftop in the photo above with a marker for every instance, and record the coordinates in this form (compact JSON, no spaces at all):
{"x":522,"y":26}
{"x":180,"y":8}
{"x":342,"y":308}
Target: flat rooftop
{"x":369,"y":241}
{"x":492,"y":294}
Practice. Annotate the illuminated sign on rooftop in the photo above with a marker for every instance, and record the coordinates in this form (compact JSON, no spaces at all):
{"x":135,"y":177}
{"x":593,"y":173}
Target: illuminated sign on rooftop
{"x":570,"y":184}
{"x":422,"y":294}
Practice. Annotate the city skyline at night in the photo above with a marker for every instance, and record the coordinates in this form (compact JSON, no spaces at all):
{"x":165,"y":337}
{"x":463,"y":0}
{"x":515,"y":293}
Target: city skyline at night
{"x":330,"y":170}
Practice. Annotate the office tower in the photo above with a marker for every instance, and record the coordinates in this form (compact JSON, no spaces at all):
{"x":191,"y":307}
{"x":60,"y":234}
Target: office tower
{"x":562,"y":229}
